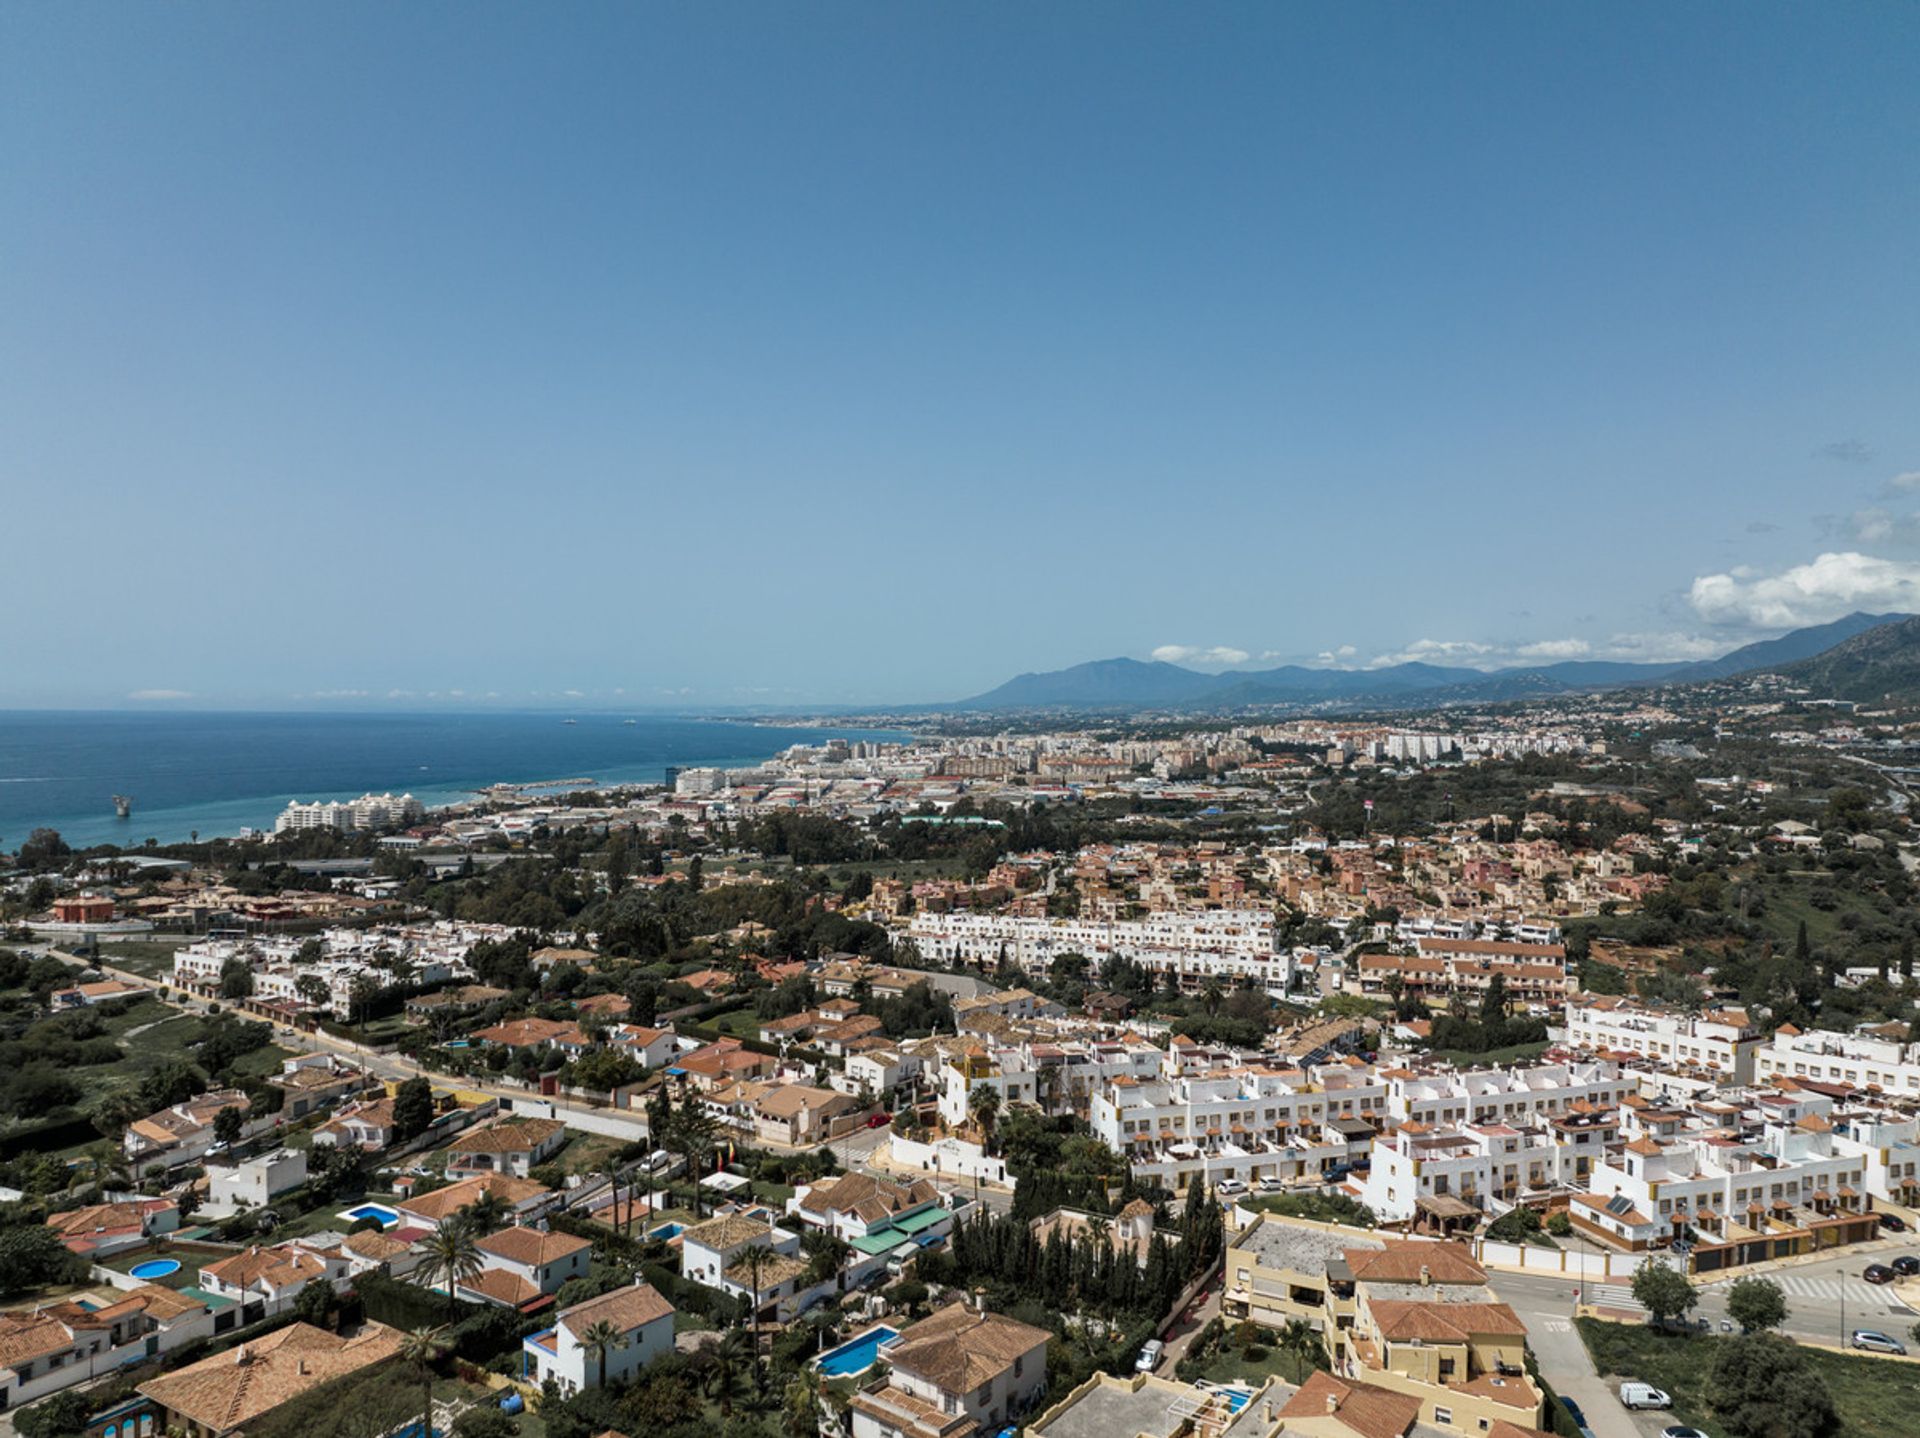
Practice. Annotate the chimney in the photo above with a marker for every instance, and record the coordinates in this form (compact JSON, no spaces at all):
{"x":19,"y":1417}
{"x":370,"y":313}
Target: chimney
{"x":1333,"y":1403}
{"x":1426,"y":1276}
{"x":241,"y":1356}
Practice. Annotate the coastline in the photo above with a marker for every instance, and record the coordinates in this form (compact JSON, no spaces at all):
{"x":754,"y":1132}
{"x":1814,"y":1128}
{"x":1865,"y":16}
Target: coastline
{"x":88,"y":759}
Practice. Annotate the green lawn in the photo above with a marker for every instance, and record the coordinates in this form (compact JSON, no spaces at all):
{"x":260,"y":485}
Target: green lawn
{"x":1231,"y":1365}
{"x":150,"y":958}
{"x":1514,"y":1054}
{"x":588,"y":1152}
{"x":1876,"y":1397}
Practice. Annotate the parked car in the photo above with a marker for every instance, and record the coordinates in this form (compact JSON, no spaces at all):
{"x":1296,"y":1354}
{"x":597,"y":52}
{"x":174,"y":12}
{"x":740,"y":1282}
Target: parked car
{"x":1875,"y":1341}
{"x":1231,"y":1186}
{"x":1270,"y":1184}
{"x":1877,"y":1273}
{"x":1579,"y":1418}
{"x":1150,"y":1356}
{"x":879,"y":1120}
{"x":1680,"y":1430}
{"x":1906,"y":1265}
{"x":1644,"y":1395}
{"x":1892,"y":1222}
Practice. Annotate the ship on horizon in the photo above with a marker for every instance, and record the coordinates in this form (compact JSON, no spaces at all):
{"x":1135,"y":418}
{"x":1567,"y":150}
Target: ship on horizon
{"x":123,"y":805}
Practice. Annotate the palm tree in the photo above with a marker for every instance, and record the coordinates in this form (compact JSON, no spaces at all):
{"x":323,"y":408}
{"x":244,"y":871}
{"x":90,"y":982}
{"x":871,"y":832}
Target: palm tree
{"x":451,"y":1256}
{"x":420,"y":1348}
{"x":800,"y":1415}
{"x":486,"y":1214}
{"x":984,"y":1104}
{"x":694,"y":1136}
{"x":1300,"y":1339}
{"x":600,"y":1339}
{"x":756,"y":1259}
{"x":727,"y":1361}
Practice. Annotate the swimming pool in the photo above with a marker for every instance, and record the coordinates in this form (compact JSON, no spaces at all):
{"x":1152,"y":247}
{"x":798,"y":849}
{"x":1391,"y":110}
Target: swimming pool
{"x":666,"y":1230}
{"x":389,"y":1218}
{"x":856,"y":1355}
{"x":154,"y":1268}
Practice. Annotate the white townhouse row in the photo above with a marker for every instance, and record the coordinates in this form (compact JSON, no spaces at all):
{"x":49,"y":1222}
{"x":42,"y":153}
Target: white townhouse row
{"x":1489,"y":1166}
{"x":983,"y":940}
{"x":1718,"y":1182}
{"x":1858,"y":1060}
{"x":1723,"y":1041}
{"x":1243,"y":1124}
{"x":1504,"y":1095}
{"x":1057,"y":1078}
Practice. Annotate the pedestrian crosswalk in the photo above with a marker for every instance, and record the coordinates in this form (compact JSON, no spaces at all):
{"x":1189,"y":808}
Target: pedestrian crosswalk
{"x":1831,"y":1290}
{"x":1611,"y":1295}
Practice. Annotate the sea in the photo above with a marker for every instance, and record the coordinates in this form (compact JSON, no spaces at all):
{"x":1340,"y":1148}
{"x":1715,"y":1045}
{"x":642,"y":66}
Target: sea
{"x":215,"y":774}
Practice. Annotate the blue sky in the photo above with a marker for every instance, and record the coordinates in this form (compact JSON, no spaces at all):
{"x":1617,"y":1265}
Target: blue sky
{"x":698,"y":354}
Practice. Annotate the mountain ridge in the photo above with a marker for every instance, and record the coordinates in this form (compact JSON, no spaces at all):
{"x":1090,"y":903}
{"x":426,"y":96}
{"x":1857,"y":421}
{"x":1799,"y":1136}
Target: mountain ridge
{"x":1122,"y":683}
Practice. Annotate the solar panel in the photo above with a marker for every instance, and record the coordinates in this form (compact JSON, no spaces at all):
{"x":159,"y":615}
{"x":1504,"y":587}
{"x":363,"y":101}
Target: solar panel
{"x":1619,"y":1204}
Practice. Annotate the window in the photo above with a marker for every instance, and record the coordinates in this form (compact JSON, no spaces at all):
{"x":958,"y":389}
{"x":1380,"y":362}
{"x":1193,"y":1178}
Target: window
{"x":1443,"y":1415}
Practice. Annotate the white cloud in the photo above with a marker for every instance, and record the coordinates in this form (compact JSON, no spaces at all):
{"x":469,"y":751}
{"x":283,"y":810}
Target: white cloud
{"x":1436,"y":651}
{"x":1331,"y":658}
{"x":340,"y":694}
{"x":158,"y":694}
{"x":1829,"y":586}
{"x":1667,"y":647}
{"x":1905,"y":483}
{"x":1193,"y":654}
{"x":575,"y":694}
{"x":1554,"y":649}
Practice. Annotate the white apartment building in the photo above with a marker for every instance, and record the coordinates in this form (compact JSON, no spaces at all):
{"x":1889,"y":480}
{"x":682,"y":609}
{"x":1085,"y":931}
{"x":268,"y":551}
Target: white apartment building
{"x":1889,"y":1144}
{"x":369,"y":811}
{"x":700,"y":782}
{"x":1719,"y":1183}
{"x":1514,"y":1095}
{"x":1221,"y":943}
{"x":1055,"y":1077}
{"x":638,"y":1313}
{"x":1724,"y":1041}
{"x":1490,"y":1166}
{"x":1244,"y":1124}
{"x":1851,"y":1059}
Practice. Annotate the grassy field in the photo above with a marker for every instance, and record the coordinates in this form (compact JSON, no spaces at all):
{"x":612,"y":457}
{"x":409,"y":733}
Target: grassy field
{"x":1789,"y":900}
{"x":150,"y":958}
{"x":1876,"y":1397}
{"x":1229,"y":1364}
{"x":1516,"y":1054}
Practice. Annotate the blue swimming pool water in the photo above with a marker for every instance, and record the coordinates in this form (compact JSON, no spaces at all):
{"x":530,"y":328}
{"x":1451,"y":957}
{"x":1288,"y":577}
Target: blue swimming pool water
{"x":666,"y":1230}
{"x":155,"y":1268}
{"x":388,"y":1217}
{"x":857,"y":1355}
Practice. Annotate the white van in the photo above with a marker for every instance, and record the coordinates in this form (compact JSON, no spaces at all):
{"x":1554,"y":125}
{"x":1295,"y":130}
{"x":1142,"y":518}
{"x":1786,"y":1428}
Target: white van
{"x":1150,"y":1356}
{"x":1644,"y":1395}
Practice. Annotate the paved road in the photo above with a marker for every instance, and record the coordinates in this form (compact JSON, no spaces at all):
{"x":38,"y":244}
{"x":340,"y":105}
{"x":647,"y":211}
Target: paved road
{"x":1545,"y":1304}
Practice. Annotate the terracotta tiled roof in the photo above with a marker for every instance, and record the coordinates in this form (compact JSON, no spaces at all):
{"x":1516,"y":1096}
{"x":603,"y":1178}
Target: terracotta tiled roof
{"x":960,"y":1350}
{"x":531,"y":1246}
{"x":625,"y":1308}
{"x":1368,"y":1411}
{"x":1400,"y":1261}
{"x":516,"y":1136}
{"x":231,"y":1389}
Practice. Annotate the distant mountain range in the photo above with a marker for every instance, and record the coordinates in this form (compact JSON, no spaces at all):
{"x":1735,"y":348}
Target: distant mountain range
{"x":1875,"y":665}
{"x":1125,"y":684}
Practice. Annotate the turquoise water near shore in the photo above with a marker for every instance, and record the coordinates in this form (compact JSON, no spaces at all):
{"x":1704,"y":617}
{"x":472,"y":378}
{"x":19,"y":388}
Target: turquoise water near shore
{"x":219,"y":773}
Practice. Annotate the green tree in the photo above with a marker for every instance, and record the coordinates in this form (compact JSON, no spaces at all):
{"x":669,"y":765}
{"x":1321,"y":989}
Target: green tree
{"x":450,"y":1257}
{"x":692,"y":1133}
{"x":600,"y":1339}
{"x":1756,"y":1304}
{"x":412,"y":1109}
{"x":420,"y":1349}
{"x":227,"y":1125}
{"x":1762,"y":1387}
{"x":1299,"y":1340}
{"x":984,"y":1104}
{"x":800,"y":1412}
{"x":1662,"y":1291}
{"x":236,"y":979}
